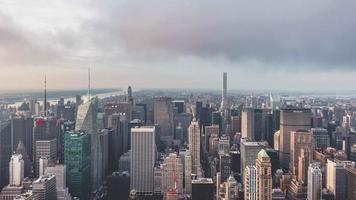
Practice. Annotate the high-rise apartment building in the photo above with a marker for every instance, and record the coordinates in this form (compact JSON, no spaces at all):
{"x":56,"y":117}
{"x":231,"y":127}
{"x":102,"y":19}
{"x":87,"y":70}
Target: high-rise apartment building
{"x":163,"y":116}
{"x":194,"y":146}
{"x":291,"y":119}
{"x":143,"y":151}
{"x":224,"y":99}
{"x":250,"y":183}
{"x":77,"y":160}
{"x":264,"y":176}
{"x":314,"y":182}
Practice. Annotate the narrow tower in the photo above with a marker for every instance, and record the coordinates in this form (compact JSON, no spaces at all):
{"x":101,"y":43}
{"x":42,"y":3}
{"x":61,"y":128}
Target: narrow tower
{"x":45,"y":97}
{"x":224,"y":93}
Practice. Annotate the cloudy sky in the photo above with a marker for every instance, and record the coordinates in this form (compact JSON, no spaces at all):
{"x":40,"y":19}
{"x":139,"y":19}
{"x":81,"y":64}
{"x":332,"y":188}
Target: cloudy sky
{"x":271,"y":44}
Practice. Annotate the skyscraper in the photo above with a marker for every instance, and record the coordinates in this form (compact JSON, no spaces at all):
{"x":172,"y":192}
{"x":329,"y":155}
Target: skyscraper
{"x":16,"y":170}
{"x":60,"y":171}
{"x":264,"y":176}
{"x":143,"y":150}
{"x":87,"y":122}
{"x":44,"y":188}
{"x":27,"y":162}
{"x":251,"y":124}
{"x":203,"y":189}
{"x":172,"y":174}
{"x":194,"y":146}
{"x":47,"y":149}
{"x":291,"y":119}
{"x":5,"y":152}
{"x":77,"y":160}
{"x":314,"y":182}
{"x":336,"y":178}
{"x":301,"y":153}
{"x":250,"y":183}
{"x":249,"y":151}
{"x":224,"y":93}
{"x":163,"y":116}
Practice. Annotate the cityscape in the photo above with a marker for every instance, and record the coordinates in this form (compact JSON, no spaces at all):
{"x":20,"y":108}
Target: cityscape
{"x":177,"y":100}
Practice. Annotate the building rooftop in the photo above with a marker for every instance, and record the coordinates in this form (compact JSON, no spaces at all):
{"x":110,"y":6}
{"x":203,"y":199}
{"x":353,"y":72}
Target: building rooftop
{"x":203,"y":181}
{"x":263,"y":154}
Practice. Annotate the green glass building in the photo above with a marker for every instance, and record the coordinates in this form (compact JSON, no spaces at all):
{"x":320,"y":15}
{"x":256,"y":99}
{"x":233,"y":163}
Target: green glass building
{"x":77,"y":160}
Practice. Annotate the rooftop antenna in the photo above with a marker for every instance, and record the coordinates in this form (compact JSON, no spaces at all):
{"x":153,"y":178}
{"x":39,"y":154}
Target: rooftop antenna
{"x":45,"y":96}
{"x":88,"y":84}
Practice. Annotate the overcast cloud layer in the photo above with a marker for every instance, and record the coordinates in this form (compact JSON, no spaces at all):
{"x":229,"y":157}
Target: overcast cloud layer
{"x":160,"y":43}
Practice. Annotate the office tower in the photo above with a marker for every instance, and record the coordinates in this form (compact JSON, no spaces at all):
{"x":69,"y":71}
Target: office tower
{"x":351,"y":181}
{"x":187,"y":172}
{"x":27,"y":162}
{"x":60,"y":172}
{"x":143,"y":150}
{"x":194,"y":146}
{"x":5,"y":152}
{"x":179,"y":133}
{"x":119,"y":138}
{"x":203,"y":189}
{"x":249,"y":151}
{"x":87,"y":122}
{"x":77,"y":160}
{"x":16,"y":172}
{"x":301,"y":153}
{"x":47,"y":149}
{"x":264,"y":176}
{"x":123,"y":108}
{"x":231,"y":187}
{"x":321,"y":138}
{"x":44,"y":188}
{"x":172,"y":174}
{"x":224,"y":145}
{"x":211,"y":131}
{"x":291,"y":119}
{"x":163,"y":116}
{"x":22,"y":130}
{"x":225,"y":166}
{"x":216,"y":118}
{"x":336,"y":178}
{"x":118,"y":185}
{"x":235,"y":124}
{"x":251,"y":124}
{"x":250,"y":183}
{"x":235,"y":161}
{"x":353,"y":153}
{"x":45,"y":129}
{"x":314,"y":182}
{"x":224,"y":99}
{"x":43,"y":163}
{"x":125,"y":162}
{"x":129,"y":96}
{"x":64,"y":126}
{"x":104,"y":143}
{"x":179,"y":105}
{"x":157,"y":180}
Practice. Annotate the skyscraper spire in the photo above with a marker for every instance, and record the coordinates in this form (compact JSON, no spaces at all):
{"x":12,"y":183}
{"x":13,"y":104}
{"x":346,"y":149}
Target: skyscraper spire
{"x":45,"y":97}
{"x":89,"y":84}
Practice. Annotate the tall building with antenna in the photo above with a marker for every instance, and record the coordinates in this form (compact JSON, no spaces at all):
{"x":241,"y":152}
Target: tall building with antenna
{"x":87,"y":122}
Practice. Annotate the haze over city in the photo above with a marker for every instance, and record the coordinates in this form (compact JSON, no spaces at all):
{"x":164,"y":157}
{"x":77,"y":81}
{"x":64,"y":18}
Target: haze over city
{"x":178,"y":44}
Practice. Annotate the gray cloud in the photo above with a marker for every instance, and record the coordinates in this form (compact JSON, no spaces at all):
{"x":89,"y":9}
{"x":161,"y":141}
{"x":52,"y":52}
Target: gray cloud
{"x":317,"y":33}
